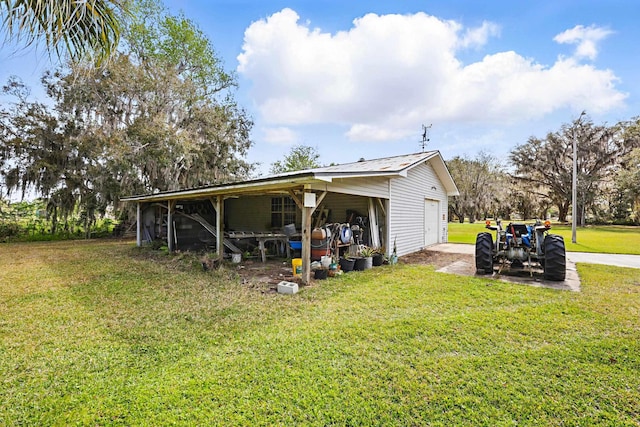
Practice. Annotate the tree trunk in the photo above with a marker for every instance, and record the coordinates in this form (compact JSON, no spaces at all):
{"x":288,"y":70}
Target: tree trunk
{"x":563,"y":210}
{"x":87,"y":228}
{"x":54,"y":221}
{"x":543,"y":213}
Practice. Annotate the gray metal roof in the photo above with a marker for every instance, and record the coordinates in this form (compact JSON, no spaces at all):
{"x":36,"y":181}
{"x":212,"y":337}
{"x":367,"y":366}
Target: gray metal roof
{"x":384,"y":166}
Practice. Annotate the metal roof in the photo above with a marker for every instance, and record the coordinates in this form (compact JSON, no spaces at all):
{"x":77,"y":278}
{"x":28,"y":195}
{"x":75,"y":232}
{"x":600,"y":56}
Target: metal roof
{"x":387,"y":166}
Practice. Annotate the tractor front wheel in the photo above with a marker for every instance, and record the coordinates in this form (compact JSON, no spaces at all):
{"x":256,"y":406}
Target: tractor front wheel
{"x":555,"y":261}
{"x":484,"y":253}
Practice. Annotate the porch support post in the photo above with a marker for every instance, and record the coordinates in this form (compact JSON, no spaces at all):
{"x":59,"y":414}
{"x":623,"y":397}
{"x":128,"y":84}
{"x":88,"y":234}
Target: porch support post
{"x":138,"y":225}
{"x":381,"y":204}
{"x":170,"y":241}
{"x":306,"y":231}
{"x":218,"y":205}
{"x":387,"y":213}
{"x":306,"y":244}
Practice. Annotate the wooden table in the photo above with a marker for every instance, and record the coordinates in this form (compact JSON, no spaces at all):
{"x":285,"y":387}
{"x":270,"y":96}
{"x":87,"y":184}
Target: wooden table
{"x":262,"y":238}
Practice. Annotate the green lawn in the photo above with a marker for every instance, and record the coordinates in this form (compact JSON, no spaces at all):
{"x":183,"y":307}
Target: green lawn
{"x":605,"y":239}
{"x":92,"y":333}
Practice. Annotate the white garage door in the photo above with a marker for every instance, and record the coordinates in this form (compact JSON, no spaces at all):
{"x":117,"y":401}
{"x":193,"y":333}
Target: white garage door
{"x":431,"y":220}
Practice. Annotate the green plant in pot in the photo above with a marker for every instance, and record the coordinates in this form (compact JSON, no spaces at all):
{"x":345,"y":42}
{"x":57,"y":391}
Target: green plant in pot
{"x":346,"y":263}
{"x":366,"y":258}
{"x":378,"y":256}
{"x":367,"y":251}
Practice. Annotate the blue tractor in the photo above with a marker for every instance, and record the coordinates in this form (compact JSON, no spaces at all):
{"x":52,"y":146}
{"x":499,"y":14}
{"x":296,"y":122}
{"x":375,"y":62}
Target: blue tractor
{"x":519,"y":246}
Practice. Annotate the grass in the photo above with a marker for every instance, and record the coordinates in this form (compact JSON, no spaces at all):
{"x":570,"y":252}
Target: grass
{"x":93,"y":333}
{"x":594,"y":239}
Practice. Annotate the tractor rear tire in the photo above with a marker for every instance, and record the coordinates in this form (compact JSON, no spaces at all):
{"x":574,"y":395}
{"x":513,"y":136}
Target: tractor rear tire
{"x":484,"y":253}
{"x":555,"y":258}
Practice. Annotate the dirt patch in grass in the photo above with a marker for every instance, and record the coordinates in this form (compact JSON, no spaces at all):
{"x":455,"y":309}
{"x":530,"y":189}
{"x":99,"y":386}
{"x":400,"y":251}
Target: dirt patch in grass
{"x":438,"y":259}
{"x":269,"y":274}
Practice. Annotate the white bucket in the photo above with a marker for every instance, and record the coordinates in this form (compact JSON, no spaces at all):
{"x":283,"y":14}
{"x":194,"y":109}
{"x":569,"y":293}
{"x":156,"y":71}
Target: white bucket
{"x":236,"y":258}
{"x":325,"y":261}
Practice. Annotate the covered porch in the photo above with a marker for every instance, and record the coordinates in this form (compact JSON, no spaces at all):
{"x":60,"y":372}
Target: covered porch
{"x":220,"y":219}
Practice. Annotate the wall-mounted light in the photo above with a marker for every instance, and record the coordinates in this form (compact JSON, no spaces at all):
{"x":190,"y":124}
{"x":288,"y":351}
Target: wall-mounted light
{"x":433,"y":187}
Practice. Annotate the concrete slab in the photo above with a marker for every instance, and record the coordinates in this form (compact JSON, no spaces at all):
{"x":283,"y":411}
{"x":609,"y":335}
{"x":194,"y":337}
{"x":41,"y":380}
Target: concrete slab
{"x":454,"y":248}
{"x":520,"y":276}
{"x":571,"y":283}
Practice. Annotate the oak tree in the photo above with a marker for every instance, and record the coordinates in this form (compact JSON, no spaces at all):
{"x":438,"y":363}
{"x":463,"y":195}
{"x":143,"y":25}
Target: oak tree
{"x":161,"y":115}
{"x":547,"y":164}
{"x":300,"y":157}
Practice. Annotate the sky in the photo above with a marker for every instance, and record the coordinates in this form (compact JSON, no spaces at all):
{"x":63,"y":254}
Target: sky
{"x":359,"y":79}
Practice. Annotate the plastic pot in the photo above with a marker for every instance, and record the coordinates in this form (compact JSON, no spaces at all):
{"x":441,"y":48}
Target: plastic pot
{"x":320,"y":274}
{"x":346,"y":264}
{"x":378,"y":260}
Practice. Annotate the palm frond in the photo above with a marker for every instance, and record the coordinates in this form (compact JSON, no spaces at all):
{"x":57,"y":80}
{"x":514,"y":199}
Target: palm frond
{"x":83,"y":29}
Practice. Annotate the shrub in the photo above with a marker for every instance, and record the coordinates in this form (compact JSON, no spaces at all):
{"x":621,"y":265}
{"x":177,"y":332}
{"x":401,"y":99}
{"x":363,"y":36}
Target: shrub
{"x":9,"y":229}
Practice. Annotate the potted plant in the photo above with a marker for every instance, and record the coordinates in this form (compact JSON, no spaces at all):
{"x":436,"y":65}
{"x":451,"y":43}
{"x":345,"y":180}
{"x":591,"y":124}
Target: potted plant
{"x":365,"y":261}
{"x":347,"y":263}
{"x":320,"y":273}
{"x":378,"y":257}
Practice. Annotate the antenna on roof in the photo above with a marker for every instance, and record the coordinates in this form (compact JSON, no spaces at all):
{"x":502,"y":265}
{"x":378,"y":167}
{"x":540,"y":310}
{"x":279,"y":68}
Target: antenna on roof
{"x":425,"y":136}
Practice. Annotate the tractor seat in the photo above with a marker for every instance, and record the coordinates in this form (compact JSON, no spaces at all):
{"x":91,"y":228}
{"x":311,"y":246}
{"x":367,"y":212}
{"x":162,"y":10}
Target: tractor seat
{"x":521,"y":232}
{"x":519,"y":229}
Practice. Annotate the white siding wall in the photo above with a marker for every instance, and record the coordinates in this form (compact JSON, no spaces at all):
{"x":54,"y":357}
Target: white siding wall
{"x":340,"y":203}
{"x":370,"y":187}
{"x":407,"y":205}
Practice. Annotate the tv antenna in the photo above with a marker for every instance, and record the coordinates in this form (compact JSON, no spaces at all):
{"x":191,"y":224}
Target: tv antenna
{"x":425,"y":136}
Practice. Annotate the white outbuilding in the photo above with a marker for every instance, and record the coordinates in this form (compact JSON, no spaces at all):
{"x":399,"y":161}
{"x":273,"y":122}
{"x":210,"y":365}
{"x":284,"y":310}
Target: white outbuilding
{"x":401,"y":200}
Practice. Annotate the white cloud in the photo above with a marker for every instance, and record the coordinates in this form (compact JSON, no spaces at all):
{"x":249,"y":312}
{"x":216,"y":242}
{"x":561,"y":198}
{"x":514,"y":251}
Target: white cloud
{"x":586,"y":38}
{"x":479,"y":36}
{"x":389,"y":73}
{"x":280,"y":135}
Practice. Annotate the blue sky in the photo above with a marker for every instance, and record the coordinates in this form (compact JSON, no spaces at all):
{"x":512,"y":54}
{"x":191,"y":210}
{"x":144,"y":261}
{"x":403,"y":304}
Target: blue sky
{"x":360,"y":78}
